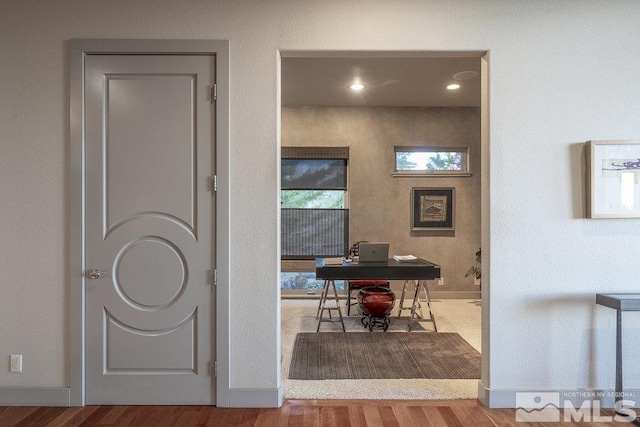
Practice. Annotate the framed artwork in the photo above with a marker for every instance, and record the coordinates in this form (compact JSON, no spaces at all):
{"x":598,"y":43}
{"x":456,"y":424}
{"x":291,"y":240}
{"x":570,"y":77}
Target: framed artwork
{"x":613,"y":179}
{"x":433,"y":209}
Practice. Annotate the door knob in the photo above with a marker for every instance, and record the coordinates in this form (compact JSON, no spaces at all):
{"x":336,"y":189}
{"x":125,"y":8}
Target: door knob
{"x":94,"y":274}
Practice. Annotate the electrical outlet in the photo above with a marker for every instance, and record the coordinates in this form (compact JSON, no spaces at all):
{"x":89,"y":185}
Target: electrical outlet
{"x":16,"y":363}
{"x":441,"y":281}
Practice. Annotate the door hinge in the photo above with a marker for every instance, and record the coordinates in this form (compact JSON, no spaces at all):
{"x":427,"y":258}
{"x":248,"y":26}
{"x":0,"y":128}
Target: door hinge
{"x":214,"y":92}
{"x":213,"y":277}
{"x":213,"y":183}
{"x":212,"y":368}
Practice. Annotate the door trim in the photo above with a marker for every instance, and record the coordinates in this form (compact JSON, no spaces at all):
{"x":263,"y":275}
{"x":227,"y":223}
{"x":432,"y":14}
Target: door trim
{"x":78,"y":49}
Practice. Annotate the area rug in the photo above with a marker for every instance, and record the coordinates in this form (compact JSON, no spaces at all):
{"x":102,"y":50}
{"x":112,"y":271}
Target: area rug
{"x":383,"y":355}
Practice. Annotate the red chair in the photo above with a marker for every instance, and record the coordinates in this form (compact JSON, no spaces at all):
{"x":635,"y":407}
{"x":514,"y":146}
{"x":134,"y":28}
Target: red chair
{"x":357,"y":285}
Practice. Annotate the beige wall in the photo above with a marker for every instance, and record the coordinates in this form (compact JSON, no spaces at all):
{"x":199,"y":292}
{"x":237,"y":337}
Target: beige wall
{"x":379,"y":202}
{"x":561,"y":73}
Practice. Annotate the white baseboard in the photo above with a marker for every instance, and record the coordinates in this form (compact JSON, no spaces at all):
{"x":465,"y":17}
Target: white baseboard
{"x":483,"y":395}
{"x":507,"y":398}
{"x":35,"y":396}
{"x":255,"y":398}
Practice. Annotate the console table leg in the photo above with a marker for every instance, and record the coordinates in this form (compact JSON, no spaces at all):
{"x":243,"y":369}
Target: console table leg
{"x":618,"y":355}
{"x":619,"y":386}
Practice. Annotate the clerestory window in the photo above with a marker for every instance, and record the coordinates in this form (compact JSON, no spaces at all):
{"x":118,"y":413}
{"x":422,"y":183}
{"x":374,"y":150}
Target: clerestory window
{"x":430,"y":161}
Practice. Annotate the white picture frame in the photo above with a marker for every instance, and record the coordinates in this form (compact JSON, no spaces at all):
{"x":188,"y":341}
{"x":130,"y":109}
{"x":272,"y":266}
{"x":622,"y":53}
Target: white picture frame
{"x":613,"y":179}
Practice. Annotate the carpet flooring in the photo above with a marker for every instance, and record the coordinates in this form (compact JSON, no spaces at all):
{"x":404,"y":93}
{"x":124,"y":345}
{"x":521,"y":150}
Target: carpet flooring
{"x":460,"y":316}
{"x":367,"y":355}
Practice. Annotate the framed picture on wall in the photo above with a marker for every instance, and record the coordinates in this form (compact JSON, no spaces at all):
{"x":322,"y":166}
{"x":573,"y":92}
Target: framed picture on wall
{"x":433,"y":209}
{"x":613,"y":179}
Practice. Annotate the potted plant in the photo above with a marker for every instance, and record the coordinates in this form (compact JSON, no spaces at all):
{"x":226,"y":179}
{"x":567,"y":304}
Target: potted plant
{"x":475,"y":270}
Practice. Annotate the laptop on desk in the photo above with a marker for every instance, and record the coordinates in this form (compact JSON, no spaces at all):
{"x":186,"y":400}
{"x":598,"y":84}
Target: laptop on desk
{"x":373,"y":251}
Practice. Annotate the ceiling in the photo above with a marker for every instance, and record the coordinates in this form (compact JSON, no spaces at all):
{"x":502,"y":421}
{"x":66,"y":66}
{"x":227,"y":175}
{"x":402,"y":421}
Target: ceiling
{"x":388,"y":81}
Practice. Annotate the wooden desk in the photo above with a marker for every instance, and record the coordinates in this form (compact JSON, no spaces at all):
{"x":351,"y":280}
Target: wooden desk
{"x":620,"y":303}
{"x":390,"y":270}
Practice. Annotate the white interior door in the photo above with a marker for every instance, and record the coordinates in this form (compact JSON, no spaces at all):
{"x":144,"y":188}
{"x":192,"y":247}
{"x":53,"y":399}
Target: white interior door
{"x":149,"y":242}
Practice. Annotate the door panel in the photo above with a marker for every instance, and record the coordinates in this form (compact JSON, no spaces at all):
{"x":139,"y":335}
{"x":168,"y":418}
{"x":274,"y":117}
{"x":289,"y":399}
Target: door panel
{"x":166,"y":103}
{"x":149,"y":227}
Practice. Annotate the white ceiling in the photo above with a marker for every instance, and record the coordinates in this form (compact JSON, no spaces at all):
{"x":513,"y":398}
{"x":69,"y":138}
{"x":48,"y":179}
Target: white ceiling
{"x":389,"y":81}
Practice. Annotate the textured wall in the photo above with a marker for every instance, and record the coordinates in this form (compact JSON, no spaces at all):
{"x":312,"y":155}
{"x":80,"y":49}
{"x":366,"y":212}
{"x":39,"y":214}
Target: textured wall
{"x":561,"y":73}
{"x":379,"y":208}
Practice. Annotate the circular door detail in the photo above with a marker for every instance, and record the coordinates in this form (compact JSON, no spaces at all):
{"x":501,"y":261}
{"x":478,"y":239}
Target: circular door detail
{"x":150,"y":273}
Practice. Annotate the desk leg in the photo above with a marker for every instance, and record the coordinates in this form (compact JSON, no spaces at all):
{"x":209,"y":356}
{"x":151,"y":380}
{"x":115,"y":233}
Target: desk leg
{"x":415,"y":304}
{"x":335,"y":293}
{"x":416,"y":301}
{"x":426,"y":291}
{"x":416,"y":296}
{"x":404,"y":291}
{"x":323,"y":302}
{"x":323,"y":296}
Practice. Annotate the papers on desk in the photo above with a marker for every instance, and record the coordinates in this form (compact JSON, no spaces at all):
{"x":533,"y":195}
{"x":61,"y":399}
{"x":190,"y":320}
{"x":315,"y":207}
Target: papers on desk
{"x":333,"y":261}
{"x":405,"y":258}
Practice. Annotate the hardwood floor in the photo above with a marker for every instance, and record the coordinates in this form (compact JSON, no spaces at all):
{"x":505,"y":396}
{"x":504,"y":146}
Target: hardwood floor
{"x":305,"y":413}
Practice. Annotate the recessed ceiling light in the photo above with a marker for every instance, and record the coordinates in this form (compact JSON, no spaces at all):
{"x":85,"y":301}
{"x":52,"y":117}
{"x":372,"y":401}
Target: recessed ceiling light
{"x":465,"y":75}
{"x":357,"y":86}
{"x":453,"y":86}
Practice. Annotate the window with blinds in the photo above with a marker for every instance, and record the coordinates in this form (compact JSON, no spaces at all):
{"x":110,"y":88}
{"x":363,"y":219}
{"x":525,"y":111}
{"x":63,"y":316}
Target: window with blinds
{"x":315,"y":217}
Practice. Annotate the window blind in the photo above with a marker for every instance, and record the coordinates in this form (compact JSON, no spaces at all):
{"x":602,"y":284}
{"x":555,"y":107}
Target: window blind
{"x":313,"y":174}
{"x":311,"y":233}
{"x":308,"y":233}
{"x":315,"y":153}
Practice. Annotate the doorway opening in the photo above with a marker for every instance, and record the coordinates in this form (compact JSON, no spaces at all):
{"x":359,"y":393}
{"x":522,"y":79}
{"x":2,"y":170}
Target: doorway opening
{"x":402,"y":104}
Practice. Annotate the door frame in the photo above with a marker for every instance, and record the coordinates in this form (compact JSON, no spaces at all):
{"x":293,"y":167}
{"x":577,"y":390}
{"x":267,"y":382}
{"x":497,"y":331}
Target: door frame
{"x":485,"y":186}
{"x":78,"y":49}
